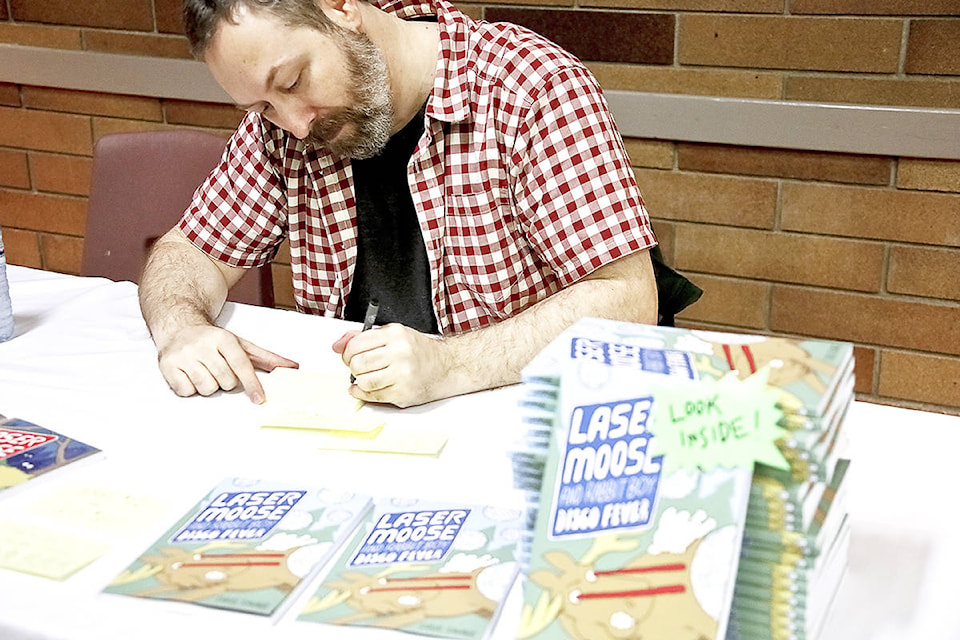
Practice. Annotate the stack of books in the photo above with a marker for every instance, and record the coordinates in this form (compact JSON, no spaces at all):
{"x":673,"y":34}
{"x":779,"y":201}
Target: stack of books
{"x":615,"y":542}
{"x":794,"y":552}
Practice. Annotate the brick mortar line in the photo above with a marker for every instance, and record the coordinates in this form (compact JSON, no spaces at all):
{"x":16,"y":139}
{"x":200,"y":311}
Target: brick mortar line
{"x":876,"y":295}
{"x":125,"y":75}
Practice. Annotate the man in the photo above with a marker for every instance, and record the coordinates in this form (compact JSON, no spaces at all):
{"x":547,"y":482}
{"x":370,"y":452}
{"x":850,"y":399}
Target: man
{"x":468,"y":173}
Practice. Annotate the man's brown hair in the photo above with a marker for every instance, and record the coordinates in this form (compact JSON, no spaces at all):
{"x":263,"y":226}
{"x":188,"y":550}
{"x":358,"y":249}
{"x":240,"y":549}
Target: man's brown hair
{"x":202,"y":18}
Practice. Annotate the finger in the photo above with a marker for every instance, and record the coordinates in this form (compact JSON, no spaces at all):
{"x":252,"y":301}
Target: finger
{"x":203,"y":381}
{"x":341,"y":343}
{"x":372,"y":381}
{"x":190,"y":378}
{"x":392,"y":394}
{"x":179,"y":382}
{"x":365,"y":341}
{"x":381,"y":396}
{"x":240,"y":361}
{"x":368,"y":362}
{"x":223,"y":373}
{"x":266,"y":360}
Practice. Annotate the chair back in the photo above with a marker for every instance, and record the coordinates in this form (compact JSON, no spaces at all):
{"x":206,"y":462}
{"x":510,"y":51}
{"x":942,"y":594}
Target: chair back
{"x":140,"y":186}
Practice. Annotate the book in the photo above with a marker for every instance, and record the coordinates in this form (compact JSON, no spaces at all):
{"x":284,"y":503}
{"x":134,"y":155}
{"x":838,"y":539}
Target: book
{"x":617,"y":547}
{"x":28,"y":450}
{"x":785,"y":550}
{"x":807,"y":373}
{"x":787,"y":580}
{"x":425,"y":567}
{"x":248,"y":545}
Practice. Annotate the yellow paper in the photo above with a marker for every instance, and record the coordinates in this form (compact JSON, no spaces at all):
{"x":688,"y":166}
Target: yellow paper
{"x":298,"y":399}
{"x":291,"y":418}
{"x":99,"y":509}
{"x":44,"y":552}
{"x":415,"y":441}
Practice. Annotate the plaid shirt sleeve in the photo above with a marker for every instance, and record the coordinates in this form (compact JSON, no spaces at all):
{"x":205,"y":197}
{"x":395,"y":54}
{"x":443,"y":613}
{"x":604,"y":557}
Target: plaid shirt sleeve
{"x":238,"y":214}
{"x":576,"y":190}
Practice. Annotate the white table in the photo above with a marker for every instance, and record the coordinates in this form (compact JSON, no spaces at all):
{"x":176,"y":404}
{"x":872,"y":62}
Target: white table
{"x":82,"y":363}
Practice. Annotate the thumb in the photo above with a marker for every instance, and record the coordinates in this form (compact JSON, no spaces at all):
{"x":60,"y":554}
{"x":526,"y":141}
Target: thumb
{"x":341,"y":343}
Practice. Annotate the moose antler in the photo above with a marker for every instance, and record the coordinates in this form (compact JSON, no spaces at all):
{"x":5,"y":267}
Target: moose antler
{"x":535,"y":619}
{"x":332,"y":599}
{"x":606,"y":544}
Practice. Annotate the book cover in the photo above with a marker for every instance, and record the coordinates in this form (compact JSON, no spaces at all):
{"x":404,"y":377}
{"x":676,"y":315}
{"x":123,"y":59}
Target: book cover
{"x":28,"y":450}
{"x":616,"y":549}
{"x":247,"y":546}
{"x":620,"y":548}
{"x":807,"y":373}
{"x":425,"y":567}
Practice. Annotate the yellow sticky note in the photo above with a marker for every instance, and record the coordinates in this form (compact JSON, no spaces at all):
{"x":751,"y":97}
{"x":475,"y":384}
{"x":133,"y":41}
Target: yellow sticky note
{"x":99,"y":509}
{"x":298,"y":399}
{"x":44,"y":552}
{"x":414,"y":441}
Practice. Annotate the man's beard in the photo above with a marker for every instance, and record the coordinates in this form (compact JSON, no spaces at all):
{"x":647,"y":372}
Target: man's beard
{"x":368,"y":119}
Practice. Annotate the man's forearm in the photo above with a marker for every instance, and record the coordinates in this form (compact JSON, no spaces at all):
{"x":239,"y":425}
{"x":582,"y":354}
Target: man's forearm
{"x":179,"y":287}
{"x":494,"y":356}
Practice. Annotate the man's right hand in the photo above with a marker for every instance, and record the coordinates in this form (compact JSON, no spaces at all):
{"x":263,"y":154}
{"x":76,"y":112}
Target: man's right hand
{"x":181,"y":291}
{"x":203,"y":359}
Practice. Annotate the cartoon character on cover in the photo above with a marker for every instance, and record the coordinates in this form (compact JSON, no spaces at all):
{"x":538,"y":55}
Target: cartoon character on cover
{"x":651,"y":596}
{"x":789,"y":363}
{"x":677,"y":589}
{"x":193,"y":575}
{"x":394,"y":602}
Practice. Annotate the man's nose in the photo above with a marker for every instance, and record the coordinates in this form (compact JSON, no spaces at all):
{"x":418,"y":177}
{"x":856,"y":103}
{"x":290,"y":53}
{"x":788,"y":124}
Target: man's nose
{"x":297,"y":119}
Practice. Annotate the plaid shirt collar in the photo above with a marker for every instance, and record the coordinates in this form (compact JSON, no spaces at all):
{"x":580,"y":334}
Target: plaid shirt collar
{"x":448,"y":102}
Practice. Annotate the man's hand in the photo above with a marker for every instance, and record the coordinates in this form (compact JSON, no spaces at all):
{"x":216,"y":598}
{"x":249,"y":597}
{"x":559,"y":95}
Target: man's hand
{"x":397,"y":365}
{"x":203,"y":359}
{"x":181,"y":292}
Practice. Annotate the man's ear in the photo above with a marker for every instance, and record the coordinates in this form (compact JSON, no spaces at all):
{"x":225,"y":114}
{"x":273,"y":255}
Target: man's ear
{"x":343,"y":13}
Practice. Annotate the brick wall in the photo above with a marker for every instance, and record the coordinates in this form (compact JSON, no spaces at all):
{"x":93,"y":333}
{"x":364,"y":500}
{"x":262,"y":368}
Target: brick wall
{"x":852,"y":247}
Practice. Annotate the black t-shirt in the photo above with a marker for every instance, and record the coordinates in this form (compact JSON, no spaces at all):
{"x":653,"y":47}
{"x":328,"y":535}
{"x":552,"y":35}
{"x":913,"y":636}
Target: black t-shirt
{"x":392,"y":262}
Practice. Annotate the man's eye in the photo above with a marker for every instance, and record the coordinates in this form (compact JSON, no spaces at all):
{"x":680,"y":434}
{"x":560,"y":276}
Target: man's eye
{"x":296,"y":83}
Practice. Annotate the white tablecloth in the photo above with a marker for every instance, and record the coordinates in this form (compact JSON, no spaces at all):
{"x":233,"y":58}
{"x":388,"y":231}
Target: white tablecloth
{"x":83,"y":364}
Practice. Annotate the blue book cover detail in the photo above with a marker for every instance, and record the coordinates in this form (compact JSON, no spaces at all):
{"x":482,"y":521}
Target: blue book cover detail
{"x":28,"y":450}
{"x":410,"y":536}
{"x":606,"y":482}
{"x":248,"y":546}
{"x":424,"y":567}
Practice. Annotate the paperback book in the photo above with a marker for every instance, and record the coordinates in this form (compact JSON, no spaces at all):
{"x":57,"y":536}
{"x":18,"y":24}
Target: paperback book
{"x":425,"y":567}
{"x":618,"y":545}
{"x":807,"y":374}
{"x":248,"y":545}
{"x":28,"y":450}
{"x":624,"y":539}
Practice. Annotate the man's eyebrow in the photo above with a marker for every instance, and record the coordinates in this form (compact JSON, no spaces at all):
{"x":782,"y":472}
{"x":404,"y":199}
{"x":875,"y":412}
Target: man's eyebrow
{"x":271,"y":76}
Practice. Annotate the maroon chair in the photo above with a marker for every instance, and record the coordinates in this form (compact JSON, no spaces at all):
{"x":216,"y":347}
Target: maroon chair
{"x":140,"y":186}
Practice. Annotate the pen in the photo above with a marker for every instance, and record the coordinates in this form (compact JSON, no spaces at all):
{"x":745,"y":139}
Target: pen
{"x":373,"y":308}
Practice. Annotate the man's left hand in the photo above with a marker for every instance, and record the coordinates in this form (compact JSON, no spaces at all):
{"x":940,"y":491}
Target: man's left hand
{"x":394,"y":364}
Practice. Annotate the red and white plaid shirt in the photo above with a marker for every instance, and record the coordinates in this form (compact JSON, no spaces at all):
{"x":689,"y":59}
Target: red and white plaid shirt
{"x":521,"y":183}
